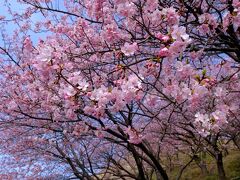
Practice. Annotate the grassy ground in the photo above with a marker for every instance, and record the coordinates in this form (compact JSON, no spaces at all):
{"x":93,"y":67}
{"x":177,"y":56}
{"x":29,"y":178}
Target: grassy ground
{"x":193,"y":172}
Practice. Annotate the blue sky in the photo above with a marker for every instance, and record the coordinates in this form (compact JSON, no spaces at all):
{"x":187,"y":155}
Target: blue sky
{"x":10,"y":26}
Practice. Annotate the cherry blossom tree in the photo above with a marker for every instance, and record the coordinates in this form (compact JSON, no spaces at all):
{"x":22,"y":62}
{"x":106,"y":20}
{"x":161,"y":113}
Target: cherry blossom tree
{"x":114,"y":86}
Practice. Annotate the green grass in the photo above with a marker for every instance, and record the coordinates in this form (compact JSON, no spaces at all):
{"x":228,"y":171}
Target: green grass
{"x":193,"y":172}
{"x":232,"y":165}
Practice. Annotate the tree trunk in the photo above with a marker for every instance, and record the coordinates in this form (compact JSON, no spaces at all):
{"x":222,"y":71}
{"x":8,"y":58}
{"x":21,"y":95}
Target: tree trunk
{"x":204,"y":169}
{"x":201,"y":164}
{"x":161,"y":173}
{"x":220,"y":168}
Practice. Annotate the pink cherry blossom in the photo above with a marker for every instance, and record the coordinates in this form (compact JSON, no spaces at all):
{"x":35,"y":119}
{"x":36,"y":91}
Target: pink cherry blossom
{"x":179,"y":33}
{"x":106,"y":88}
{"x":129,"y":49}
{"x":45,"y":54}
{"x":164,"y":52}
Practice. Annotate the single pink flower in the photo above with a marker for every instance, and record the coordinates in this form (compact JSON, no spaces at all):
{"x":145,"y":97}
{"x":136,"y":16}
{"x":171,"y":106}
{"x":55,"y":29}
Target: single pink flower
{"x":129,"y":49}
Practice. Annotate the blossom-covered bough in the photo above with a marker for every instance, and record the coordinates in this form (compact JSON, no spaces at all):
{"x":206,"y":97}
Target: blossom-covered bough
{"x":117,"y":85}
